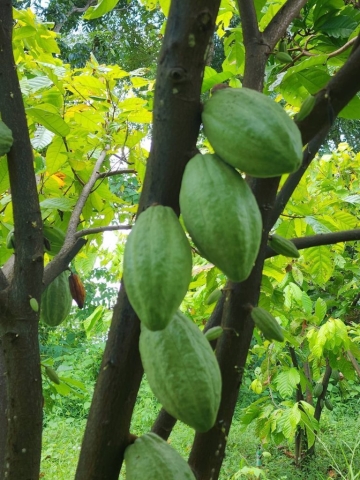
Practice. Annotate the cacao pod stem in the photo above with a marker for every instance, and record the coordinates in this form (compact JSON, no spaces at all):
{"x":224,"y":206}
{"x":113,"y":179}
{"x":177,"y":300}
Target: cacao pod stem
{"x":77,"y":289}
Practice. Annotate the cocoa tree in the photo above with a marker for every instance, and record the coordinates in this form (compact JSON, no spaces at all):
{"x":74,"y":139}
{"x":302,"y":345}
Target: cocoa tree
{"x":176,"y":124}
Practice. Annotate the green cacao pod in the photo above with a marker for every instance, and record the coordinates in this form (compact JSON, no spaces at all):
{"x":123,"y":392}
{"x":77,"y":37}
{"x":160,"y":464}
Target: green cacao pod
{"x":56,"y":301}
{"x":318,"y":389}
{"x":55,"y":237}
{"x":267,"y":324}
{"x":183,"y":372}
{"x":214,"y":296}
{"x":151,"y":458}
{"x":252,"y":132}
{"x":214,"y":333}
{"x":221,"y":214}
{"x":329,"y":405}
{"x":306,"y":108}
{"x":6,"y":138}
{"x":283,"y":246}
{"x":283,"y":57}
{"x":157,"y":266}
{"x":335,"y":375}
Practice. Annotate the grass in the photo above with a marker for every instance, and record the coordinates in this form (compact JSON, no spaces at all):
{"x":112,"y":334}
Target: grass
{"x":338,"y":437}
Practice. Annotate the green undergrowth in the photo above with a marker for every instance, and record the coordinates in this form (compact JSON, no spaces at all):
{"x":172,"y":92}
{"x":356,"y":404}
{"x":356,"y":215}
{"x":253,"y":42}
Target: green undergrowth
{"x":338,"y":438}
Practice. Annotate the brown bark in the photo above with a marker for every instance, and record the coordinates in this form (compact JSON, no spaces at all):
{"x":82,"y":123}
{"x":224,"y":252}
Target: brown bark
{"x":22,"y":412}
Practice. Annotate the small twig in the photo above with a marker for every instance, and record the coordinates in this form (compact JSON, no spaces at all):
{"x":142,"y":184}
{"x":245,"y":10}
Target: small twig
{"x":111,"y":228}
{"x":115,"y":172}
{"x":75,"y":216}
{"x":354,"y":362}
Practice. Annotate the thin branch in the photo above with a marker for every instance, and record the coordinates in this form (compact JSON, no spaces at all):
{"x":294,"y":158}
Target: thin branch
{"x":343,"y":48}
{"x":59,"y":25}
{"x":75,"y":216}
{"x":111,"y":228}
{"x":347,"y":45}
{"x":320,"y":239}
{"x":115,"y":172}
{"x":342,"y":87}
{"x":293,"y":180}
{"x":61,"y":261}
{"x":354,"y":362}
{"x":280,"y":22}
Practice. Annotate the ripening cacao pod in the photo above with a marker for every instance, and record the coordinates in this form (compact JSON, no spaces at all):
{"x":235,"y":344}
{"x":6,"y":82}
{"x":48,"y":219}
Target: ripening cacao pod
{"x":283,"y":246}
{"x":335,"y":375}
{"x":329,"y":405}
{"x":151,"y":458}
{"x":318,"y":389}
{"x":182,"y":371}
{"x":213,"y":297}
{"x":267,"y":324}
{"x":157,"y":266}
{"x":77,"y":289}
{"x":6,"y":138}
{"x":213,"y":333}
{"x":55,"y":237}
{"x":56,"y":301}
{"x":221,"y":214}
{"x":252,"y":132}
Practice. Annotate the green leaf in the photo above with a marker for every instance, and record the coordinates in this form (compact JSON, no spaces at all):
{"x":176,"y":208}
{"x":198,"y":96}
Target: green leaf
{"x":352,"y":109}
{"x":63,"y":203}
{"x":51,"y":121}
{"x":104,"y":6}
{"x":286,"y":382}
{"x":319,"y":263}
{"x":56,"y":156}
{"x":320,"y":308}
{"x":212,"y":78}
{"x":340,"y":26}
{"x":306,"y":303}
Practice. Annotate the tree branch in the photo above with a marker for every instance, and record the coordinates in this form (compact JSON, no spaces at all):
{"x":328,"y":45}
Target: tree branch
{"x":232,"y":347}
{"x":342,"y":87}
{"x":319,"y":240}
{"x":110,"y":228}
{"x":354,"y":362}
{"x":249,"y":22}
{"x":115,"y":172}
{"x":280,"y":22}
{"x":75,"y":216}
{"x":59,"y":25}
{"x":21,"y":404}
{"x":293,"y":180}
